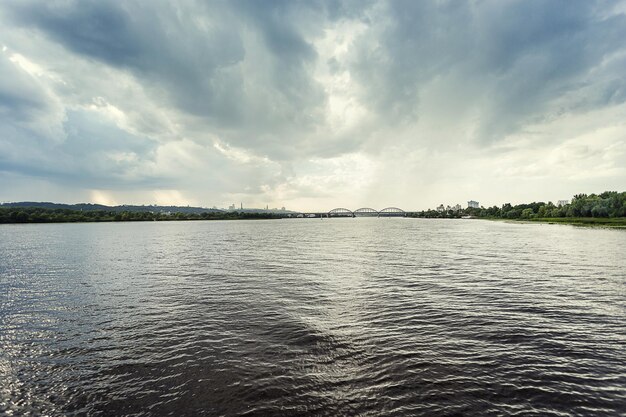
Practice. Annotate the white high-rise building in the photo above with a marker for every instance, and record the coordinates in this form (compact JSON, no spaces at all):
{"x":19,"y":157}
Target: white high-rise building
{"x":473,"y":204}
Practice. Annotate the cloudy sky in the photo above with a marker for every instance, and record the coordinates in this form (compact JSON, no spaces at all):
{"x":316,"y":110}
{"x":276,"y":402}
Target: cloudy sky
{"x":313,"y":104}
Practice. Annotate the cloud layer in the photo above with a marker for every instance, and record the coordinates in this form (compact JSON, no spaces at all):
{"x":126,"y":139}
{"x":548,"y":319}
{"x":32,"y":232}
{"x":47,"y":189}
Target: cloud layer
{"x":311,"y":104}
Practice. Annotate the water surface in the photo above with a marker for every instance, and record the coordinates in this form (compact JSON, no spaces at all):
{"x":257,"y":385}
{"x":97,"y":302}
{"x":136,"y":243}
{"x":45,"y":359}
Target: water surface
{"x":371,"y":317}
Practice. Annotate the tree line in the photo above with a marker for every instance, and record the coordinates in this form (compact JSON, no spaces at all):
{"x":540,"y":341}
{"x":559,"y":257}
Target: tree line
{"x":44,"y":215}
{"x":609,"y":204}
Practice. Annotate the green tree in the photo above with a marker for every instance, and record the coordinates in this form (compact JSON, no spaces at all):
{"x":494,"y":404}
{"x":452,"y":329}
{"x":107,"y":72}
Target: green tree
{"x":527,"y":213}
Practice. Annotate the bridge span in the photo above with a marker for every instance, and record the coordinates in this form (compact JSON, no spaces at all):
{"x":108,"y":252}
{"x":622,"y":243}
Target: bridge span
{"x":361,"y":212}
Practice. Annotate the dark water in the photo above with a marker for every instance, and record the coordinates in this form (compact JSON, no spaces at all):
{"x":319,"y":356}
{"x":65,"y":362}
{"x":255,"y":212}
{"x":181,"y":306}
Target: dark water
{"x":372,"y":317}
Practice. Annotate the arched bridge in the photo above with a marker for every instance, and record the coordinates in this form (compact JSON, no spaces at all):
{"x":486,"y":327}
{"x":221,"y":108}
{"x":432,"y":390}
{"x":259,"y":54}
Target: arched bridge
{"x":341,"y":212}
{"x":392,"y":211}
{"x":362,"y":212}
{"x":366,"y":212}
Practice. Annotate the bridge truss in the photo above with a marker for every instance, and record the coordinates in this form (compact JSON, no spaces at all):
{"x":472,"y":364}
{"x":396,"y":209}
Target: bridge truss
{"x":366,"y":212}
{"x":362,"y":212}
{"x":392,"y":212}
{"x":340,"y":212}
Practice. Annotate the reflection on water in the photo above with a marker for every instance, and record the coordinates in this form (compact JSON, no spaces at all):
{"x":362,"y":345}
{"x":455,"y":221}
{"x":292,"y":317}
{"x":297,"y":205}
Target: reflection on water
{"x":306,"y":317}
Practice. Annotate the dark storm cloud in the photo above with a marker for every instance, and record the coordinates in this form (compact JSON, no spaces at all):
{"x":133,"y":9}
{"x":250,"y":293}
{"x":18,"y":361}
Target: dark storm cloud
{"x":22,"y":99}
{"x":159,"y":44}
{"x":518,"y":55}
{"x":39,"y":138}
{"x":514,"y":57}
{"x":92,"y":153}
{"x":194,"y":53}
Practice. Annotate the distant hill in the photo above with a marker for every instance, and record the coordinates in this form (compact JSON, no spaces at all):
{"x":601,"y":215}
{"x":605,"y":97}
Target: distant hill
{"x":93,"y":207}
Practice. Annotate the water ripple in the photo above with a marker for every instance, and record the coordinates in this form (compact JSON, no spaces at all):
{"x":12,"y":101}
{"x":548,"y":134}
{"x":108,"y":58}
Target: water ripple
{"x":369,"y":317}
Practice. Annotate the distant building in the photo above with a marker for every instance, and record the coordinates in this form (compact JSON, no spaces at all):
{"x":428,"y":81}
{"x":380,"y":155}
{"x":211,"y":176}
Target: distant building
{"x":441,"y":208}
{"x":231,"y":207}
{"x":562,"y":203}
{"x":473,"y":204}
{"x":457,"y":207}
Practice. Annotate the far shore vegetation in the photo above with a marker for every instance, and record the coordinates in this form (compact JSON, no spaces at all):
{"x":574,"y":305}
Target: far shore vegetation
{"x":607,"y":209}
{"x":46,"y":215}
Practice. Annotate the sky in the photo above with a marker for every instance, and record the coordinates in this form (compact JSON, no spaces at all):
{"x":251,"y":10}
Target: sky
{"x":311,"y":105}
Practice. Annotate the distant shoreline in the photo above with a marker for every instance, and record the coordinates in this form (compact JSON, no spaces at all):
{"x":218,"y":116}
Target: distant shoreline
{"x":607,"y":209}
{"x":614,"y":223}
{"x":29,"y":215}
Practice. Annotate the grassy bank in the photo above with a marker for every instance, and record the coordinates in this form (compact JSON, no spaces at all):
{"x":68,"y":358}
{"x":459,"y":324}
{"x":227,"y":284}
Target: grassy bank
{"x":616,"y":222}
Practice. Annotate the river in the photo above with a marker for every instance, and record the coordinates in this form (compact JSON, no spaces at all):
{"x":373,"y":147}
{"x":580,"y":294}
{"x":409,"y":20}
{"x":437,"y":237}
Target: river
{"x":297,"y":317}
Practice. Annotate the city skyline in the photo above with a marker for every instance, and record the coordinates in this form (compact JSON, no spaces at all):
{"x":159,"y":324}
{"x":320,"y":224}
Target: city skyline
{"x":311,"y":105}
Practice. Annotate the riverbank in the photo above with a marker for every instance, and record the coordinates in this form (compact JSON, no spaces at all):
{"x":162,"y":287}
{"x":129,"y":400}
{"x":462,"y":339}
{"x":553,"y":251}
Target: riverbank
{"x":614,"y":222}
{"x":43,"y":215}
